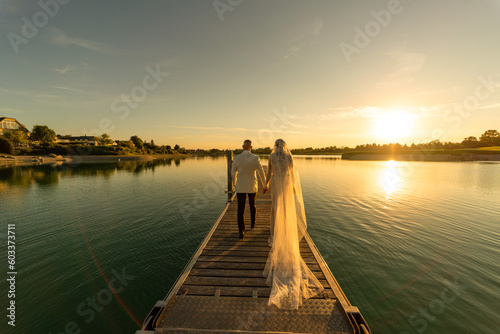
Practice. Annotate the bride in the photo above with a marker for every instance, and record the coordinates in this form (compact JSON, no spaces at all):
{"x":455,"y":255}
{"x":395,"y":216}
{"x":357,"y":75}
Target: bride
{"x":287,"y":273}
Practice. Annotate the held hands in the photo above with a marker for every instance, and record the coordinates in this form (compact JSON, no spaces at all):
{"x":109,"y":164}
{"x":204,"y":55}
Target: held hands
{"x":264,"y":189}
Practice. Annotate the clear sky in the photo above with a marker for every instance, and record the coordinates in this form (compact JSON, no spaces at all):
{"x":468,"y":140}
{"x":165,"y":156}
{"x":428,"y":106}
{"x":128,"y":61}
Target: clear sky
{"x":206,"y":74}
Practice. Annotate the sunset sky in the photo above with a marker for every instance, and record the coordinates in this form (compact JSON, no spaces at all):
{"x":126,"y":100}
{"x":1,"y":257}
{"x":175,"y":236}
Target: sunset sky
{"x":206,"y":74}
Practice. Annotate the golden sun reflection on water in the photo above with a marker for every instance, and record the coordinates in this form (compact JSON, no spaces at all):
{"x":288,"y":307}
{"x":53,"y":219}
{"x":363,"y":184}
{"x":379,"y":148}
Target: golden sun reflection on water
{"x":390,"y":178}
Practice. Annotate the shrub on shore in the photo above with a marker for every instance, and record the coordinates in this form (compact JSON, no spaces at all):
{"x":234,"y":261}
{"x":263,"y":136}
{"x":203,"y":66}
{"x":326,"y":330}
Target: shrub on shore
{"x":6,"y":146}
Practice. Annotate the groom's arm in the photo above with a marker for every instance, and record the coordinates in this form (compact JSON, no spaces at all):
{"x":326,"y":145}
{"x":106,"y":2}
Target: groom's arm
{"x":268,"y":172}
{"x":233,"y":174}
{"x":262,"y":174}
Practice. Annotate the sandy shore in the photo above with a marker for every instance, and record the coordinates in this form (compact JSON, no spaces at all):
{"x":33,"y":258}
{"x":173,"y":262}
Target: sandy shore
{"x":26,"y":160}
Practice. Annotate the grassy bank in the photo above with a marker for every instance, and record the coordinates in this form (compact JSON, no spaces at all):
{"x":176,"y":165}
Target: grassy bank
{"x":492,"y":148}
{"x":91,"y":150}
{"x":484,"y":153}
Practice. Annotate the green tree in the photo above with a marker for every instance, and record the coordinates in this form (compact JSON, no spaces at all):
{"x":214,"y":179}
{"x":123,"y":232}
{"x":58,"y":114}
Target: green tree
{"x":137,"y":142}
{"x":16,"y":137}
{"x":6,"y":146}
{"x":434,"y":145}
{"x":470,"y":142}
{"x":44,"y":134}
{"x":177,"y":147}
{"x":490,"y":138}
{"x":105,"y":140}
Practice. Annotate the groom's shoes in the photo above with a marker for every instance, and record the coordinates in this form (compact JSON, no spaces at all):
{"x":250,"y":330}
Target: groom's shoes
{"x":242,"y":234}
{"x":253,"y":225}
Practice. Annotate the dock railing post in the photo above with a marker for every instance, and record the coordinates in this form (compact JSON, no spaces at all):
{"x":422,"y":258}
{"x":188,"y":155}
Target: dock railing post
{"x":229,"y":177}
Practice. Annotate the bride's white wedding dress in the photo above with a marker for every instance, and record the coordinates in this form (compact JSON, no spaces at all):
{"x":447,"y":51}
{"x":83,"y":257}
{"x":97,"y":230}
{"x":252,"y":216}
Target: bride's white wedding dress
{"x":290,"y":279}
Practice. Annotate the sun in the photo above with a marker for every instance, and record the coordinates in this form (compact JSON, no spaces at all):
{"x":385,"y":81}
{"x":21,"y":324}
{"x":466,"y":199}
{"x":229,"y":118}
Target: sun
{"x":394,"y":125}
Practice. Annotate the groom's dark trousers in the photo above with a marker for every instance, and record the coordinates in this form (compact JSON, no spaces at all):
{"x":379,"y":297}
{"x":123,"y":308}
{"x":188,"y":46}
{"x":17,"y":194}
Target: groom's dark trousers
{"x":241,"y":209}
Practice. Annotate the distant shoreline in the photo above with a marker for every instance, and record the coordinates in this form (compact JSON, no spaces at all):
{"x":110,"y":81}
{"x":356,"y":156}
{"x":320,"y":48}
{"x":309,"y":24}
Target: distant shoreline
{"x":27,"y":160}
{"x":433,"y":155}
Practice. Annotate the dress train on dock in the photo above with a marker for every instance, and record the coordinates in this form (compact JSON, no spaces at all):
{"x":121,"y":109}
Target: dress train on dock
{"x":287,"y":274}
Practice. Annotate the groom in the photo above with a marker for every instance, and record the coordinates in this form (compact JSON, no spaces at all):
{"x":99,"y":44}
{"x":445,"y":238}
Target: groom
{"x":243,"y":171}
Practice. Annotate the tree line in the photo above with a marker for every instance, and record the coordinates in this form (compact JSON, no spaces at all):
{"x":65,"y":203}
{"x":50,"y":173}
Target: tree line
{"x":488,"y":139}
{"x":47,"y":137}
{"x":42,"y":140}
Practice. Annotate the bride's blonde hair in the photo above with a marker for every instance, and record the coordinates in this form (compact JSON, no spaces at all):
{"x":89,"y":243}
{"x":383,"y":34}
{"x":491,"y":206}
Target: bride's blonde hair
{"x":283,"y":154}
{"x":280,"y":144}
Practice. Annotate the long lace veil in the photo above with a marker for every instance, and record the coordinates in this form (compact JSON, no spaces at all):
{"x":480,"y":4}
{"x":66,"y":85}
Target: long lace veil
{"x":287,"y":273}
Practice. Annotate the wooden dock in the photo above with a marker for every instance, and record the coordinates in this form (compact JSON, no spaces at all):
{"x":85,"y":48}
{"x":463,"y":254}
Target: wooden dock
{"x":222,"y":288}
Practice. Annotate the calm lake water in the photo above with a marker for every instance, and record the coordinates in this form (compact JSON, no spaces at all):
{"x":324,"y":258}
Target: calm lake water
{"x":416,"y":246}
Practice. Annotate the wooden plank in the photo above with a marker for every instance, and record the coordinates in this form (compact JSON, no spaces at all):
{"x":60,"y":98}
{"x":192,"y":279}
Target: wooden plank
{"x":235,"y":239}
{"x":239,"y":242}
{"x":228,"y":291}
{"x":262,"y":217}
{"x":237,"y":252}
{"x":264,"y":230}
{"x":246,"y":247}
{"x":255,"y":232}
{"x":241,"y":265}
{"x":232,"y":291}
{"x":242,"y":247}
{"x":232,"y":281}
{"x":227,"y":272}
{"x":307,"y":260}
{"x":208,"y":252}
{"x":232,"y":226}
{"x":248,"y":238}
{"x":236,"y":242}
{"x":238,"y":273}
{"x":226,"y":281}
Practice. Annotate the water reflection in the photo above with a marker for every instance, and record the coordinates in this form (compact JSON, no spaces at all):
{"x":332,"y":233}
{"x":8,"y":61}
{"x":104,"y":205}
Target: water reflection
{"x":319,"y":157}
{"x":49,"y":175}
{"x":390,"y":178}
{"x":26,"y":176}
{"x":379,"y":225}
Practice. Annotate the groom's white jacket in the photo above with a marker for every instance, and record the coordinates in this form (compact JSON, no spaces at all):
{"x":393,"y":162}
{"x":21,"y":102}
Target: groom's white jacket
{"x":243,"y":171}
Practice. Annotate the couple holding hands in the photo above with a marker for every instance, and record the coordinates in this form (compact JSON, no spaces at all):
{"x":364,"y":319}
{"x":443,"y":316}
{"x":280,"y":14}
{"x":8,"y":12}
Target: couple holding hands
{"x":290,"y":279}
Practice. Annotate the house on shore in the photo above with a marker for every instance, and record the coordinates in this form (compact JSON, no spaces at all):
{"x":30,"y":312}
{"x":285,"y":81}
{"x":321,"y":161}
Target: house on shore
{"x":9,"y":124}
